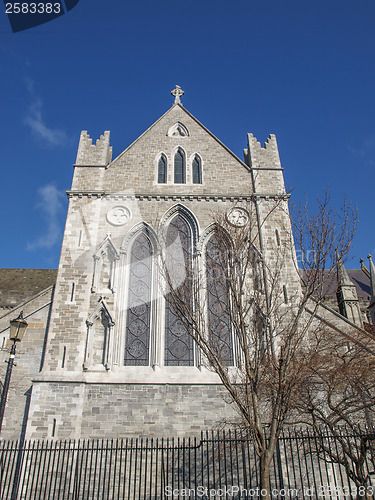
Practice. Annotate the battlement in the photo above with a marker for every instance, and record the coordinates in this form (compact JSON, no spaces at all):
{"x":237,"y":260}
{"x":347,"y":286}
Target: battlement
{"x":96,"y":155}
{"x":257,"y":156}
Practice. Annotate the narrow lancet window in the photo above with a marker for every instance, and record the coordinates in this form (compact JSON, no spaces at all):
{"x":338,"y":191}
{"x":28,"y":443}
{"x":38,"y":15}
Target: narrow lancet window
{"x":286,"y":300}
{"x":277,"y":237}
{"x":178,"y":343}
{"x":197,"y":170}
{"x":218,"y":305}
{"x":162,"y":170}
{"x":179,"y":168}
{"x":137,"y":343}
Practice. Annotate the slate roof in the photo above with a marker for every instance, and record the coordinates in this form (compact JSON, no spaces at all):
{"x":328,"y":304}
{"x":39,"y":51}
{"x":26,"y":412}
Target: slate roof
{"x":357,"y":277}
{"x":19,"y":285}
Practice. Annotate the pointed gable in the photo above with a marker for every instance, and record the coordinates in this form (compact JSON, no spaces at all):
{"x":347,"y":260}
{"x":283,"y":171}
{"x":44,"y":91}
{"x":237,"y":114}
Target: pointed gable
{"x":178,"y":132}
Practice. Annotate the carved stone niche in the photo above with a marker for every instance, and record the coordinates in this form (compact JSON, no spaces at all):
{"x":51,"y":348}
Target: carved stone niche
{"x":105,"y":262}
{"x":99,"y":342}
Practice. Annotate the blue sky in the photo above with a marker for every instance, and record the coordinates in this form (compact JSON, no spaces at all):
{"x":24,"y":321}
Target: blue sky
{"x":302,"y":70}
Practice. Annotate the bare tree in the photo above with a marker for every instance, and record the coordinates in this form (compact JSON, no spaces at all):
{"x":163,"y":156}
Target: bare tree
{"x":339,"y":394}
{"x":232,"y":300}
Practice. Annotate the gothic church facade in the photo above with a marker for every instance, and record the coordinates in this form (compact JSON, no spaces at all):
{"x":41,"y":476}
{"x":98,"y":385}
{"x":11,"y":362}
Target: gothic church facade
{"x":105,"y":355}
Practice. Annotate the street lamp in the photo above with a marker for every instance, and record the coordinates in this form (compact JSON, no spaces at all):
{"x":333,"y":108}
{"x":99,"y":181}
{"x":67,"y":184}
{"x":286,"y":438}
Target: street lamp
{"x":17,"y":329}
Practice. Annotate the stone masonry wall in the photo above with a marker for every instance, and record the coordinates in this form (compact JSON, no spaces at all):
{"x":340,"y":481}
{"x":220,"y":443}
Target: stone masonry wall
{"x":127,"y":410}
{"x":28,"y":360}
{"x":113,"y":400}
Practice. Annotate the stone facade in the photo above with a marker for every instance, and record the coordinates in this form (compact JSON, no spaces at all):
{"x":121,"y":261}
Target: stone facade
{"x":85,"y":385}
{"x":29,"y":359}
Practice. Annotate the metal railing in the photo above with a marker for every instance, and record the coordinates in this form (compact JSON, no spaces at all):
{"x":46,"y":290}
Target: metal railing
{"x":306,"y":464}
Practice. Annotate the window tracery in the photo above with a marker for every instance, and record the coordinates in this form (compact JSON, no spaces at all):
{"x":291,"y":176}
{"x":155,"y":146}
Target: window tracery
{"x":178,"y":130}
{"x":138,"y":322}
{"x":218,"y":300}
{"x":179,"y":350}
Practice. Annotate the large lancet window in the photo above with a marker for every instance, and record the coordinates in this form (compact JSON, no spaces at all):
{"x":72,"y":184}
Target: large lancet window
{"x":138,"y":322}
{"x":197,"y":170}
{"x":179,"y":350}
{"x":179,"y":167}
{"x":162,"y":170}
{"x":218,"y":302}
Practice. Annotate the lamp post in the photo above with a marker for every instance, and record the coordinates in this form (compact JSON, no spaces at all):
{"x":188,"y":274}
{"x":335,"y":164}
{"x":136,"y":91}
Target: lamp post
{"x":17,"y":329}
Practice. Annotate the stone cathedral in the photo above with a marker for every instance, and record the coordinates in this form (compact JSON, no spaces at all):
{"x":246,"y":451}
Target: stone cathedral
{"x":104,"y":354}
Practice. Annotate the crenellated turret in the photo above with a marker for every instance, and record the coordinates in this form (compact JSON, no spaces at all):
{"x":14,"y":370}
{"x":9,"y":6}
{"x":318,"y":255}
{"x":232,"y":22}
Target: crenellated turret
{"x":265,"y":163}
{"x":272,"y":212}
{"x":261,"y":157}
{"x":94,"y":155}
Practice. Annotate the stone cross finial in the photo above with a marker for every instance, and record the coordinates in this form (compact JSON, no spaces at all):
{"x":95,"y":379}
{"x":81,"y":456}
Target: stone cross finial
{"x":177,"y":92}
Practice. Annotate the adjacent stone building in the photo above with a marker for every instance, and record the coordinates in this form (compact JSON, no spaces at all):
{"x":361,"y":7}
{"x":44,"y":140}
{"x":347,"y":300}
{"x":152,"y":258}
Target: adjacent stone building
{"x":104,"y":355}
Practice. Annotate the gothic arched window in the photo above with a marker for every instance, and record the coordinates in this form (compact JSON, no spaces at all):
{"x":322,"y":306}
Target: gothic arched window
{"x":179,"y":349}
{"x":138,"y":322}
{"x":197,"y":170}
{"x":179,"y":167}
{"x":162,"y":170}
{"x":218,"y":304}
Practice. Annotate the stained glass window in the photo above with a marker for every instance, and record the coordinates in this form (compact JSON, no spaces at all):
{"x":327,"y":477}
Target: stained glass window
{"x":197,"y":171}
{"x":178,"y":342}
{"x":218,"y":300}
{"x":179,"y":167}
{"x":137,"y":343}
{"x":162,"y":170}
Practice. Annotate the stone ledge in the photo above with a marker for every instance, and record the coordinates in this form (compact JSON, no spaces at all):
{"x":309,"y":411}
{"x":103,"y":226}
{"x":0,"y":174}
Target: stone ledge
{"x":175,"y":197}
{"x":135,"y":376}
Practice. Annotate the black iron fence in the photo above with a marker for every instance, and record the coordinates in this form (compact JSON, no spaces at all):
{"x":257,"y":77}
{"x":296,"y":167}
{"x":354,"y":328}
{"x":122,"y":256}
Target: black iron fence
{"x":306,"y":464}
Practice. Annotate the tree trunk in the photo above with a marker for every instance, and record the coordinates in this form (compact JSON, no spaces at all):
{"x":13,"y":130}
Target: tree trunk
{"x":264,"y":472}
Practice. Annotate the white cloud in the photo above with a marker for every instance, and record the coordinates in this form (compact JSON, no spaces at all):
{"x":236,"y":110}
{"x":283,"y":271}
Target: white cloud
{"x":30,"y":84}
{"x":53,"y":137}
{"x":365,"y":148}
{"x":51,"y":205}
{"x":34,"y":119}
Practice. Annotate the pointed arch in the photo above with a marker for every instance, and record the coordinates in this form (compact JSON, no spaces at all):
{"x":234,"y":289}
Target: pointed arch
{"x":187,"y":214}
{"x":138,"y":320}
{"x":210,"y":230}
{"x":180,"y":230}
{"x":179,"y":348}
{"x":140,"y":227}
{"x":105,"y":260}
{"x":162,"y":169}
{"x":99,"y":338}
{"x":179,"y":166}
{"x":139,"y":249}
{"x":196,"y":165}
{"x":220,"y":334}
{"x":178,"y":130}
